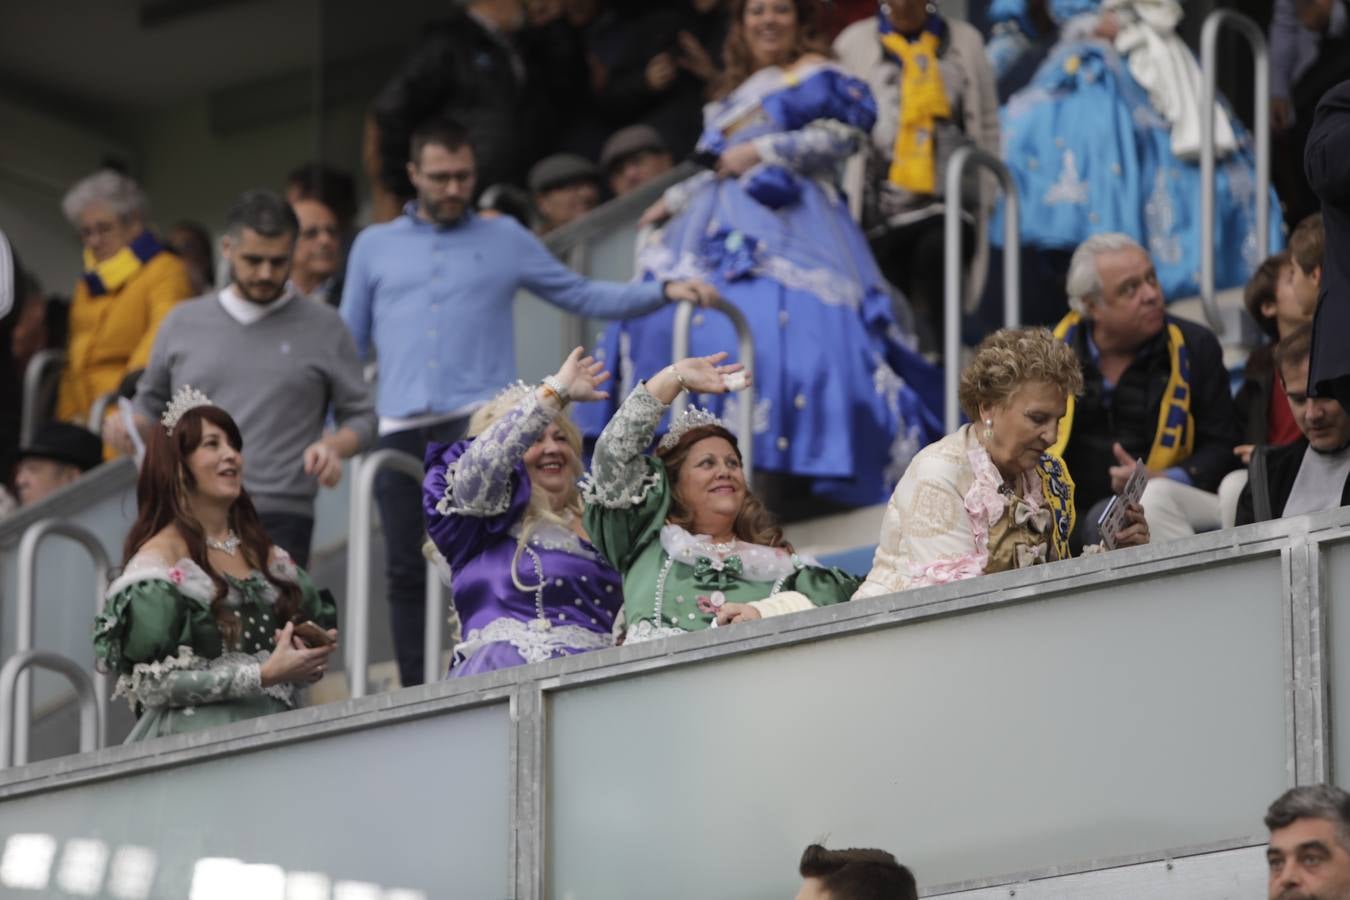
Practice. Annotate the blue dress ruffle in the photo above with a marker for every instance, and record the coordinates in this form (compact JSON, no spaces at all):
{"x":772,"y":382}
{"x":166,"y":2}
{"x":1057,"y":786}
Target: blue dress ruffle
{"x":840,"y":397}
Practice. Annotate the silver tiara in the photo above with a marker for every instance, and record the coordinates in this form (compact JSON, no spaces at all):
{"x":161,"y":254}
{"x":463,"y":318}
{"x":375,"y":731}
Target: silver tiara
{"x":692,"y":417}
{"x":187,"y":398}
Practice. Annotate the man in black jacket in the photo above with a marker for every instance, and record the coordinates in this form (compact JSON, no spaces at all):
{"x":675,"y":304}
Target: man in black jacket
{"x":1313,"y":473}
{"x":467,"y":68}
{"x":1155,"y":389}
{"x":1328,"y":167}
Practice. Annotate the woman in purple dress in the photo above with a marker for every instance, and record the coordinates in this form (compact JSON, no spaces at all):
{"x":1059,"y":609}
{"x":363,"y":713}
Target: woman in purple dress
{"x":503,"y":509}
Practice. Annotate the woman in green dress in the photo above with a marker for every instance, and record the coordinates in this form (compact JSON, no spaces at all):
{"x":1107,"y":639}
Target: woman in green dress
{"x":695,"y":548}
{"x":200,"y":625}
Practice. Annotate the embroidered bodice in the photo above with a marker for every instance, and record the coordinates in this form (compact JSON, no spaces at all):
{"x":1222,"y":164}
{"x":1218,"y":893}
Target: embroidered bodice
{"x":674,"y":581}
{"x":158,"y":634}
{"x":476,"y":495}
{"x":952,"y":517}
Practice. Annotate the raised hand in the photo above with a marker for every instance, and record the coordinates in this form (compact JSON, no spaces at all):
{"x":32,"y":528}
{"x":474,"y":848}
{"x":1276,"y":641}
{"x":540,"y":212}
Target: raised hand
{"x":699,"y":375}
{"x":582,"y":376}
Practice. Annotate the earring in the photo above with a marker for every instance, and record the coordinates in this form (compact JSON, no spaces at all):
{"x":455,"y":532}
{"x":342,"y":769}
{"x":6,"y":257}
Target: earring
{"x":988,"y":429}
{"x":885,"y":9}
{"x":931,"y":9}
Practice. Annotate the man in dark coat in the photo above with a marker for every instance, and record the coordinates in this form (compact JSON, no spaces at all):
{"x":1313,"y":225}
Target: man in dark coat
{"x":1328,"y":167}
{"x":469,"y":68}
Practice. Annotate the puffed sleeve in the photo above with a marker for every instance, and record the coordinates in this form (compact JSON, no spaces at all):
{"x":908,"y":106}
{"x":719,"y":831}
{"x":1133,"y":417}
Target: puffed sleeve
{"x":167,"y":651}
{"x":315,"y":606}
{"x":461,"y":524}
{"x":619,"y":527}
{"x":810,"y":586}
{"x":626,"y":493}
{"x":143,"y":622}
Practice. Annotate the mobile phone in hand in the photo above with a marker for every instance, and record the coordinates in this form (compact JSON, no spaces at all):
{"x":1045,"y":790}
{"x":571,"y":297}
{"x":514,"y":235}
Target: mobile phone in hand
{"x":312,"y":634}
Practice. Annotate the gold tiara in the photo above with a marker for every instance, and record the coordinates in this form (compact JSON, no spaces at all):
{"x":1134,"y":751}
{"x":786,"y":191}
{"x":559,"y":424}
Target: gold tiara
{"x":185,"y":399}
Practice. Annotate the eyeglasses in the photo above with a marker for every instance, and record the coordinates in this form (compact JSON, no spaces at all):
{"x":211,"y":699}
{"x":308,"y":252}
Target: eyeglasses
{"x":98,"y":229}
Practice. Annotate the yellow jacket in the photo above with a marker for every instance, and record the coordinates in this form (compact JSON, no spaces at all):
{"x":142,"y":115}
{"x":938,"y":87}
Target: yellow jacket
{"x":111,"y":335}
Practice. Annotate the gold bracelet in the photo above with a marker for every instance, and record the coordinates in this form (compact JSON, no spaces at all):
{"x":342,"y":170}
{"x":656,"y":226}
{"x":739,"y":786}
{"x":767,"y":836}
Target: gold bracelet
{"x":556,"y":395}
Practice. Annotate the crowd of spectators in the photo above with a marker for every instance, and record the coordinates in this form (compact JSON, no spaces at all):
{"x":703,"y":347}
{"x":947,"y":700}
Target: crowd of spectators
{"x":817,"y":210}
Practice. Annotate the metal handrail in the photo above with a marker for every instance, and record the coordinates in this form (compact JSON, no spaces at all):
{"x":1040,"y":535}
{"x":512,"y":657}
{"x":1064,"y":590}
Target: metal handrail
{"x":26,"y":599}
{"x":92,"y":721}
{"x":431,"y":640}
{"x":99,"y":409}
{"x":745,"y":410}
{"x":33,"y":377}
{"x":357,"y":627}
{"x":1012,"y":267}
{"x":1209,"y":37}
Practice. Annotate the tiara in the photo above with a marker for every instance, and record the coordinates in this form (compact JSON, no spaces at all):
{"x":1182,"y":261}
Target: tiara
{"x":187,"y":398}
{"x":693,"y":417}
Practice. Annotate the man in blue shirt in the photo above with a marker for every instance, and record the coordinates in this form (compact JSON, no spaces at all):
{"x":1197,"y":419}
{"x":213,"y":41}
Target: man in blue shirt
{"x":432,"y":292}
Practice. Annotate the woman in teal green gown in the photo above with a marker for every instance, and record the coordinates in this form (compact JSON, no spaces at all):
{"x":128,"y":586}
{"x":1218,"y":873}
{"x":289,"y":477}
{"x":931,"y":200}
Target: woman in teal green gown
{"x":199,"y":626}
{"x":695,"y":548}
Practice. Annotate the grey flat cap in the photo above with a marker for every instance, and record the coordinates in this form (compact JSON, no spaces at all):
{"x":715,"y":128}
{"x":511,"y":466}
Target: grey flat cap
{"x":562,"y":169}
{"x":630,"y":140}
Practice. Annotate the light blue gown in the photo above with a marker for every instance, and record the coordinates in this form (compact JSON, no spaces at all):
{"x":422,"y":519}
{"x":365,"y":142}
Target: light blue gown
{"x":1090,"y":154}
{"x":839,"y":395}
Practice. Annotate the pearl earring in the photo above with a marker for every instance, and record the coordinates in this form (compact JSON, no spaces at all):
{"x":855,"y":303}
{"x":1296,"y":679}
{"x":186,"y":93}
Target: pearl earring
{"x":886,"y":9}
{"x":988,"y":429}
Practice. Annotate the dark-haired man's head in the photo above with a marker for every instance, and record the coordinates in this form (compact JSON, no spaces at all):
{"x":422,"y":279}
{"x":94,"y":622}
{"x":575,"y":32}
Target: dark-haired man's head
{"x":854,"y":874}
{"x":1322,"y":420}
{"x":442,"y":169}
{"x":1309,"y":851}
{"x":259,"y":240}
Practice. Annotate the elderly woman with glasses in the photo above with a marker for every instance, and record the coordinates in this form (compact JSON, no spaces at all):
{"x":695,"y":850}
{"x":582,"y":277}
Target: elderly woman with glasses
{"x":990,"y":496}
{"x":130,"y":283}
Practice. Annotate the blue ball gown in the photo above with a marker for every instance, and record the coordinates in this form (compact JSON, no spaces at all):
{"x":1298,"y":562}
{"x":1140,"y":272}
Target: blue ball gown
{"x":840,"y":396}
{"x":1091,"y":154}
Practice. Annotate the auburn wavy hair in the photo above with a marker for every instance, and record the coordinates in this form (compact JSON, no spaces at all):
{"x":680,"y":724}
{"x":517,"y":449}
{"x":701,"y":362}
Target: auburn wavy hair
{"x":737,"y":62}
{"x":753,"y":524}
{"x":162,"y":499}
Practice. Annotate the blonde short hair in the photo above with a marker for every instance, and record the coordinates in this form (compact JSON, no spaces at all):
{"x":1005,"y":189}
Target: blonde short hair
{"x":1012,"y":357}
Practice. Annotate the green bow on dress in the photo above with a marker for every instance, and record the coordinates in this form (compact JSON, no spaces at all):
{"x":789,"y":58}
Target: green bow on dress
{"x":716,"y":575}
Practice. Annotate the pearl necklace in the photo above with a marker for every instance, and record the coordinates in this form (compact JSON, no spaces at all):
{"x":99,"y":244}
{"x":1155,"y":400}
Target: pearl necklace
{"x":228,"y":546}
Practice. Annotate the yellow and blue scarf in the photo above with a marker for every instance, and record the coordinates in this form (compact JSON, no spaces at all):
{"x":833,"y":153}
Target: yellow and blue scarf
{"x":1175,"y":437}
{"x":1057,"y":488}
{"x":923,"y":100}
{"x":107,"y":277}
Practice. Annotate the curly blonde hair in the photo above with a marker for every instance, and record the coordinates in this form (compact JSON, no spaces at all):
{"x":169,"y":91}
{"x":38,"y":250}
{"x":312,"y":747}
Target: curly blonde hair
{"x":1012,"y":357}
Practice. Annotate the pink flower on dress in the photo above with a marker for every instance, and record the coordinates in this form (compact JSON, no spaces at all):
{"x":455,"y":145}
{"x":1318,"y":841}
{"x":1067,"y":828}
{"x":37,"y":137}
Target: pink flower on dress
{"x":176,"y":575}
{"x":711,"y":603}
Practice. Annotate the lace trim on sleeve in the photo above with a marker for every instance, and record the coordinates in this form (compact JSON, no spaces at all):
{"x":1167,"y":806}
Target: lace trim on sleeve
{"x":479,"y":482}
{"x":619,"y":476}
{"x":188,"y":680}
{"x":645,"y":630}
{"x":820,"y":146}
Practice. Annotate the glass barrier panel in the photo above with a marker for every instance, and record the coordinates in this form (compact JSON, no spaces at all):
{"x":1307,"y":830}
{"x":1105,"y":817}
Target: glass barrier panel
{"x":1120,"y":719}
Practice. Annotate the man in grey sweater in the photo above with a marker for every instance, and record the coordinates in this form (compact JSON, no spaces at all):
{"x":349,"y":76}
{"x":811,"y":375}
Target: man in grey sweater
{"x":274,"y":363}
